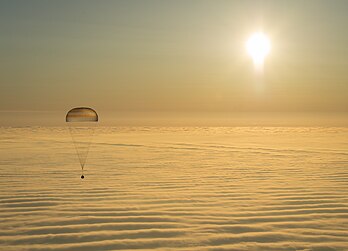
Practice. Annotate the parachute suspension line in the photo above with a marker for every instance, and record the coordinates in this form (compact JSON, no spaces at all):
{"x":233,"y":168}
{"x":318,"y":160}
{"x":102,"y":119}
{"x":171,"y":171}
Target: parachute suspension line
{"x":82,"y":139}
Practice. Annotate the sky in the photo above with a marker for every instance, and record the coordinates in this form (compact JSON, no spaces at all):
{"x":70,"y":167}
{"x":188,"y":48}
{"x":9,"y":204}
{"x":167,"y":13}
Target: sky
{"x":173,"y":57}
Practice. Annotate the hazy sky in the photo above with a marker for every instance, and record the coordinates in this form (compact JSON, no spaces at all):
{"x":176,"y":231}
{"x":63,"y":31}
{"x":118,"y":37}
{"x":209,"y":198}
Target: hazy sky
{"x":172,"y":56}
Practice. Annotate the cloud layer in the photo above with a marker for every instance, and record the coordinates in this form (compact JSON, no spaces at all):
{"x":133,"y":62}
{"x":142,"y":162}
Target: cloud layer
{"x":175,"y":189}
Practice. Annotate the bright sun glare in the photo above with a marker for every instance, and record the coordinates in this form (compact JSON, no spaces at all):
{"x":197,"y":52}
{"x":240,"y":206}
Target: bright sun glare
{"x":258,"y":46}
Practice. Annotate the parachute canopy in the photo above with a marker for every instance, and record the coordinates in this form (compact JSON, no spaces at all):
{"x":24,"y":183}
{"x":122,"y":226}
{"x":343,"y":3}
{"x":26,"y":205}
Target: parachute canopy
{"x":81,"y":114}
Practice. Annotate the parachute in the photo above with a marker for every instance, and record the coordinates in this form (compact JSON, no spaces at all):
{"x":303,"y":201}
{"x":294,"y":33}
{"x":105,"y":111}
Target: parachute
{"x":82,"y":122}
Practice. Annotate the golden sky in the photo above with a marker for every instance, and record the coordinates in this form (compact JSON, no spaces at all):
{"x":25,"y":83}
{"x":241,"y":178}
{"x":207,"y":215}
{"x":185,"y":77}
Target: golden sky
{"x":173,"y":56}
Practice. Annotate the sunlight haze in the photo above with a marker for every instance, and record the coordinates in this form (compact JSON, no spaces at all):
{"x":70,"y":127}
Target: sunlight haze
{"x":173,"y":57}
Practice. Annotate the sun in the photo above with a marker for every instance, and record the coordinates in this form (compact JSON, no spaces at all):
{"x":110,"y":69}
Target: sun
{"x":258,"y":47}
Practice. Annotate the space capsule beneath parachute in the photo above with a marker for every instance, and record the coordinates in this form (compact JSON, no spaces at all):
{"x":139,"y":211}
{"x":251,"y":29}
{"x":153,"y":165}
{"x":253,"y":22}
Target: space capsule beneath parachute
{"x":82,"y":122}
